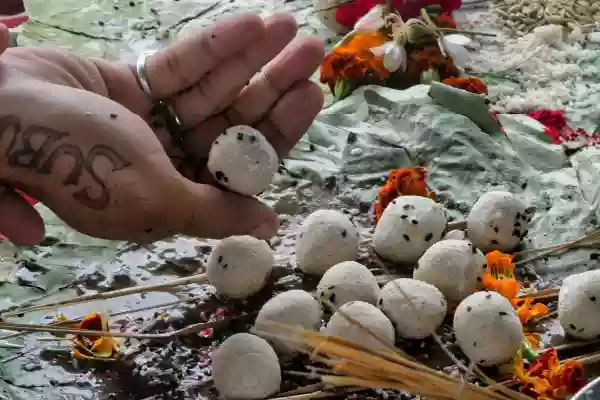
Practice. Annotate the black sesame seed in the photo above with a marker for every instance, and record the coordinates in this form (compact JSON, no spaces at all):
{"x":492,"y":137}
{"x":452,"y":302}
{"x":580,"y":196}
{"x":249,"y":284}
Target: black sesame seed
{"x":517,"y":224}
{"x":220,"y":259}
{"x":518,"y":215}
{"x":380,"y":302}
{"x":488,"y":296}
{"x":406,"y":207}
{"x":592,"y":298}
{"x":332,"y":298}
{"x":220,"y":176}
{"x":474,"y":344}
{"x":494,"y":241}
{"x":213,"y":36}
{"x":469,"y":308}
{"x":113,"y":116}
{"x":240,"y":136}
{"x":225,"y":266}
{"x":479,"y":279}
{"x":253,"y":139}
{"x":406,"y":237}
{"x":331,"y":287}
{"x":344,"y":233}
{"x":428,"y":237}
{"x":502,"y":313}
{"x":404,"y":216}
{"x":496,"y":229}
{"x":573,"y":327}
{"x":516,"y":233}
{"x":485,"y":266}
{"x":594,"y":256}
{"x":415,"y":222}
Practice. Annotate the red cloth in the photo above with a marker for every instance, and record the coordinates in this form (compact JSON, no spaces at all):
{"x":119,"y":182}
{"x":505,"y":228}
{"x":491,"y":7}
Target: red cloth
{"x":12,"y":13}
{"x":557,"y":127}
{"x":348,"y":14}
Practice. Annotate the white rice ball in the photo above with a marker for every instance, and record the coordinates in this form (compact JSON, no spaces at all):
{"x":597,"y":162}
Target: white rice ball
{"x":295,"y":308}
{"x":457,"y":234}
{"x":239,"y":266}
{"x":423,"y":317}
{"x":348,"y":281}
{"x":326,"y":238}
{"x":243,"y":160}
{"x":498,"y":221}
{"x":487,"y":328}
{"x":579,"y":305}
{"x":245,"y":367}
{"x":408,"y":226}
{"x":327,"y":15}
{"x":370,"y":317}
{"x":453,"y":266}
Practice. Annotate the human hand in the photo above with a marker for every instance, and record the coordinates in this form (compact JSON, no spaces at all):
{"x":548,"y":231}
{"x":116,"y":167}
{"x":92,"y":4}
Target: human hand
{"x":78,"y":134}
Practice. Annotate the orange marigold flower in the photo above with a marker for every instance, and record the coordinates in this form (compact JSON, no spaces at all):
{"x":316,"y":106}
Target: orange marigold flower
{"x":547,"y":379}
{"x":500,"y":275}
{"x":527,"y":311}
{"x":402,"y":182}
{"x":354,"y":61}
{"x":92,"y":346}
{"x":470,"y":84}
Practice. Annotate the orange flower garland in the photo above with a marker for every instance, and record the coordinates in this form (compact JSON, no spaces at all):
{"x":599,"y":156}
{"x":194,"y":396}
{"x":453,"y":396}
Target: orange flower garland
{"x":354,"y":64}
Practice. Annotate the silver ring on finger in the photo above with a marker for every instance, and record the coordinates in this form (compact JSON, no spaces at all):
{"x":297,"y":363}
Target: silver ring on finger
{"x":165,"y":110}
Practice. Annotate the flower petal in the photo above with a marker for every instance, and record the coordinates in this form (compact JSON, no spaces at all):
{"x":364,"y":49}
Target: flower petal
{"x":459,"y":54}
{"x":380,"y":51}
{"x":371,"y":21}
{"x":395,"y":58}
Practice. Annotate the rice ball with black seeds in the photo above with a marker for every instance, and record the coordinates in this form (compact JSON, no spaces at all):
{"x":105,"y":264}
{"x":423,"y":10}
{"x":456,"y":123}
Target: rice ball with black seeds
{"x":498,"y":221}
{"x":579,"y":305}
{"x":239,"y":266}
{"x":326,"y":238}
{"x":348,"y":281}
{"x":416,"y":308}
{"x":409,"y":226}
{"x":487,"y":328}
{"x":245,"y":367}
{"x":453,"y":266}
{"x":294,"y":307}
{"x":369,"y":317}
{"x":242,"y":160}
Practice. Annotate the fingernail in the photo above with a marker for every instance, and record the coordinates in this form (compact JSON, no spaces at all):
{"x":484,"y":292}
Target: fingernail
{"x":267,"y":230}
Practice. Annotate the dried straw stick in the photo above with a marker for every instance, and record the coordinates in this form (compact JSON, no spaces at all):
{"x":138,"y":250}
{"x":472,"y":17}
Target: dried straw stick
{"x":198,"y":278}
{"x":591,"y":238}
{"x":115,"y":314}
{"x":356,"y":366}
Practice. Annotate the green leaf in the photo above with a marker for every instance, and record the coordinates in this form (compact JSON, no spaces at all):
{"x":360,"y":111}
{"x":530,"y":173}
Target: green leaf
{"x":471,"y":105}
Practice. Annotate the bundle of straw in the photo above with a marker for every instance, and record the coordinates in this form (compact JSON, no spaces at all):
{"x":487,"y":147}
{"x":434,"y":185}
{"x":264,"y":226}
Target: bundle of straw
{"x":348,"y":365}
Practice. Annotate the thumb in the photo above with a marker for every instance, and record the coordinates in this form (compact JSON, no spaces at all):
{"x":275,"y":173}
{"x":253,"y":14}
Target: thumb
{"x":19,"y":221}
{"x":209,"y":212}
{"x":4,"y":38}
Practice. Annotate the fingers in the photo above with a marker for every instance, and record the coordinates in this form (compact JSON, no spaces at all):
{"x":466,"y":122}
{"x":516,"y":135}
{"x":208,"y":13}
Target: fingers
{"x":182,"y":65}
{"x":4,"y":38}
{"x":292,"y":116}
{"x":295,"y":64}
{"x":19,"y":221}
{"x":219,"y":87}
{"x":213,"y":213}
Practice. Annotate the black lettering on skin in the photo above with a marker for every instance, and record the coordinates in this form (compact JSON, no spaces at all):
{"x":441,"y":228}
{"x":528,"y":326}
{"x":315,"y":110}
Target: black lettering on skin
{"x":22,"y":153}
{"x":10,"y":123}
{"x":118,"y":162}
{"x":65,"y":150}
{"x":28,"y":156}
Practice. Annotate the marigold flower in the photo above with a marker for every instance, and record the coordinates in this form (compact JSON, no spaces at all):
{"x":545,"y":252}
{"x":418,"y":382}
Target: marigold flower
{"x":470,"y":84}
{"x":92,"y":346}
{"x":547,"y":379}
{"x":402,"y":182}
{"x":354,"y":62}
{"x":500,"y":275}
{"x":527,"y":311}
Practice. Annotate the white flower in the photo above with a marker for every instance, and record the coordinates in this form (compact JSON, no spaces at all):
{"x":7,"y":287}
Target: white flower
{"x":454,"y":46}
{"x":394,"y":56}
{"x":371,"y":21}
